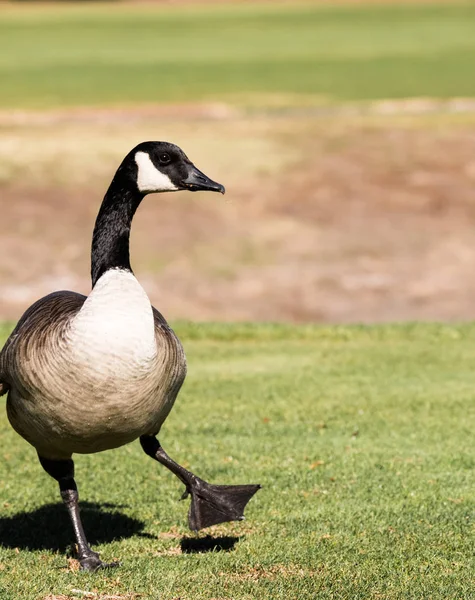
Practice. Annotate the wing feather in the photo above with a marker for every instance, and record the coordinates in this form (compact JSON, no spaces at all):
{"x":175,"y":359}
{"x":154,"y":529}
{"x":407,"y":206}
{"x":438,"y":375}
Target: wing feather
{"x":44,"y":316}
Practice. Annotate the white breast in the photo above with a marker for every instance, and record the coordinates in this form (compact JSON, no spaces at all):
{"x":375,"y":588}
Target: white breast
{"x":113,"y":333}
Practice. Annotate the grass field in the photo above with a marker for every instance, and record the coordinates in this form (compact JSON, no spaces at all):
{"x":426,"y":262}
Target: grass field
{"x":97,"y":55}
{"x":361,"y":437}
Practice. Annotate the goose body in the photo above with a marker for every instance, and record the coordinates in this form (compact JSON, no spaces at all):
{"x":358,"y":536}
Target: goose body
{"x":107,"y":373}
{"x":87,"y":374}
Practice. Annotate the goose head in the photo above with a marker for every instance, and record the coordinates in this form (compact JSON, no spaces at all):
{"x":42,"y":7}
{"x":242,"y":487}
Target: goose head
{"x":164,"y":167}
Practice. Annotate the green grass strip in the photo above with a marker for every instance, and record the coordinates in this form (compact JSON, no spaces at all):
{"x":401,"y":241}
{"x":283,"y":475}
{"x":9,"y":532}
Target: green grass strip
{"x":97,"y":55}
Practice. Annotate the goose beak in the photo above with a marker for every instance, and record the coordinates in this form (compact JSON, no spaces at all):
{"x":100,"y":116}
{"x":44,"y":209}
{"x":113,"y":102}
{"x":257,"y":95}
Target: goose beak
{"x":197,"y":181}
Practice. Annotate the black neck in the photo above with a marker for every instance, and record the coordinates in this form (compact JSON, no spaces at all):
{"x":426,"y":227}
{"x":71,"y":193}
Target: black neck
{"x":110,"y":241}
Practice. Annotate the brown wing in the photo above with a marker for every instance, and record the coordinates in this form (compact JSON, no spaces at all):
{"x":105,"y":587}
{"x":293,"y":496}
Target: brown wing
{"x":171,"y":347}
{"x":159,"y":319}
{"x":45,"y":315}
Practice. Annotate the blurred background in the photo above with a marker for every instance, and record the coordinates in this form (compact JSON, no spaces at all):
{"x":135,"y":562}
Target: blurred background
{"x":343,"y":132}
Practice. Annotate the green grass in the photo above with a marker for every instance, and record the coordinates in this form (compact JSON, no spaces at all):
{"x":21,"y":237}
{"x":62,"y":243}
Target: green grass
{"x":361,"y":436}
{"x":96,"y":54}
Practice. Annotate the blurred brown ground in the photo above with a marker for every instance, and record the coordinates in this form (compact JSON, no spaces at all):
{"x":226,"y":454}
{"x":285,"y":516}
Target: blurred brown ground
{"x":338,"y":216}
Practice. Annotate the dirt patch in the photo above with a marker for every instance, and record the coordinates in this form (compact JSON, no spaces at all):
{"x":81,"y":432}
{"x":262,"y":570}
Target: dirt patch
{"x":350,"y":218}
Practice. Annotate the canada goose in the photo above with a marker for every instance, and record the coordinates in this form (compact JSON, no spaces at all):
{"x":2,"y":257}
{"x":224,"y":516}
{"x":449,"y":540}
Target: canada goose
{"x":86,"y":374}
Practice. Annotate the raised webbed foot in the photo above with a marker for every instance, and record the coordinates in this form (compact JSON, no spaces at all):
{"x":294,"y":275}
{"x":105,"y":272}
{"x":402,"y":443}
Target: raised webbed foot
{"x":212,"y":504}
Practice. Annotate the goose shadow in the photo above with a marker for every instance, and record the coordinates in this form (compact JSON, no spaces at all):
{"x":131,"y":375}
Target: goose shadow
{"x":209,"y":543}
{"x":49,"y":527}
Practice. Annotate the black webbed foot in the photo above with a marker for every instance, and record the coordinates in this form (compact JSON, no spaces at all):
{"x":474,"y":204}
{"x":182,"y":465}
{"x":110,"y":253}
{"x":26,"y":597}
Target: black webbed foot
{"x":212,"y":504}
{"x":93,"y":563}
{"x":63,"y":472}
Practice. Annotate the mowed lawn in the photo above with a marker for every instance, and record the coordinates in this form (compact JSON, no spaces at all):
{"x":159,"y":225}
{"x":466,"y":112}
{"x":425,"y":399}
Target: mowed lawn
{"x":52,"y":56}
{"x":362,"y":438}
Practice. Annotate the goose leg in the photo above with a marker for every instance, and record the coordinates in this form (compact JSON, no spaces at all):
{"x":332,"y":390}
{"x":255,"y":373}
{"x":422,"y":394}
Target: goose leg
{"x":63,"y":472}
{"x":210,"y":504}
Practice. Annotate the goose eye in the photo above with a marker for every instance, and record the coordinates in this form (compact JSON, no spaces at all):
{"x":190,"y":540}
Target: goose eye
{"x":164,"y":158}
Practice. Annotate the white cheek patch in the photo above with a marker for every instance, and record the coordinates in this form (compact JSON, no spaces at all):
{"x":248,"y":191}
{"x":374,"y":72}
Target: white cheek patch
{"x":149,"y":178}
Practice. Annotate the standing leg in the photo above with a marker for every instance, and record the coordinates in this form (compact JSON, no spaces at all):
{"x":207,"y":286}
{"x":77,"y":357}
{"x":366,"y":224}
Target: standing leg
{"x":210,"y":504}
{"x":63,"y":472}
